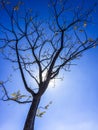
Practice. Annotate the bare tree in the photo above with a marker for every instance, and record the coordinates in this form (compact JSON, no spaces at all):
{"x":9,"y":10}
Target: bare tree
{"x":38,"y":48}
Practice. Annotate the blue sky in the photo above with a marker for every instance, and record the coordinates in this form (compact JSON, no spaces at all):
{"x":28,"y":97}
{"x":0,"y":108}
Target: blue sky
{"x":74,"y":100}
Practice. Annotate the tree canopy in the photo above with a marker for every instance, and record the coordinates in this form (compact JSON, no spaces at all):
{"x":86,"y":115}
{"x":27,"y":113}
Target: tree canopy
{"x":40,"y":49}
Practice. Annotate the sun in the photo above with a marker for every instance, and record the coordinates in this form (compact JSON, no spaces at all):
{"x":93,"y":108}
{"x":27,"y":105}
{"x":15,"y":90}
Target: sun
{"x":53,"y":82}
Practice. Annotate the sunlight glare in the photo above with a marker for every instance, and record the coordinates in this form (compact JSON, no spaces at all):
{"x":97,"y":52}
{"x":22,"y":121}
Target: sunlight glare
{"x":53,"y":83}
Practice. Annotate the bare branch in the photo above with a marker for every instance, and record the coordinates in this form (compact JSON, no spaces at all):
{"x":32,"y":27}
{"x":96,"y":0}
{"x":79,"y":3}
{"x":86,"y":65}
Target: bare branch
{"x":6,"y":97}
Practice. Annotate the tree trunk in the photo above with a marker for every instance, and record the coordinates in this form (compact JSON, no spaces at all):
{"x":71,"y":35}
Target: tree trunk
{"x":29,"y":124}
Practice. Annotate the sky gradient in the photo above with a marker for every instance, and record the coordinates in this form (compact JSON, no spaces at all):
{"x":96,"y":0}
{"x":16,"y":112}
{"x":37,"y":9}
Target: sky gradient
{"x":74,"y":100}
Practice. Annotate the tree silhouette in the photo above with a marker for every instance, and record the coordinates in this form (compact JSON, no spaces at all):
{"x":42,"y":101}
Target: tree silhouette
{"x":40,"y":48}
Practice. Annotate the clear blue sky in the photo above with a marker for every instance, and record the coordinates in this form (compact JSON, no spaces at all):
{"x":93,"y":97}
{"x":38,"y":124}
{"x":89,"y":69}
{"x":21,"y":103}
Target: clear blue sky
{"x":75,"y":99}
